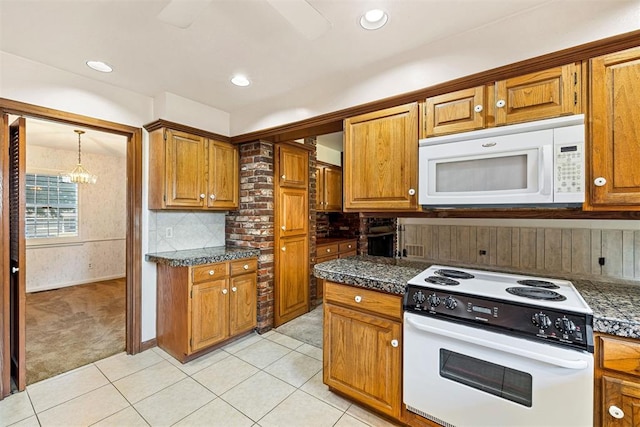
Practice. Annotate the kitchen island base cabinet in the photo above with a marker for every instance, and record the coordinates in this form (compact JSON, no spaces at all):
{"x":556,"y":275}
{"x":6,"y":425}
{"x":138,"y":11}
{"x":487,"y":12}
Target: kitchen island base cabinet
{"x":362,"y":346}
{"x":202,"y":306}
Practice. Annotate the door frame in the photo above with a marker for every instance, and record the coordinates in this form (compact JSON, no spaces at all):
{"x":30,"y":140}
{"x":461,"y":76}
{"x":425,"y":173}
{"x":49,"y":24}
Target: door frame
{"x":134,"y":222}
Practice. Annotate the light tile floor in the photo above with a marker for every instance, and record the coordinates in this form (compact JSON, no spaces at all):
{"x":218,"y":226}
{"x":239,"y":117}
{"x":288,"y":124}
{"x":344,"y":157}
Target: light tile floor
{"x":260,"y":380}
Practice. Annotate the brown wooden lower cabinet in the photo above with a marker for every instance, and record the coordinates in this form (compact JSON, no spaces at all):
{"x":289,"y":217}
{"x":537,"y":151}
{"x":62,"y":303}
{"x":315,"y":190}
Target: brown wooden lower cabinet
{"x":617,"y":382}
{"x":328,"y":249}
{"x":204,"y":305}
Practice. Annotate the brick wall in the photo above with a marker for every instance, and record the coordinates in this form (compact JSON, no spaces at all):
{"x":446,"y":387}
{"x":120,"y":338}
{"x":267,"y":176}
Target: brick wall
{"x":311,"y":142}
{"x":252,"y":224}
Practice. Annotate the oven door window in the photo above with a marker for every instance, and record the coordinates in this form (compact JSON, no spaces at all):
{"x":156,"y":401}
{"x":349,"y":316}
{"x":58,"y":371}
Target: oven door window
{"x":488,"y":377}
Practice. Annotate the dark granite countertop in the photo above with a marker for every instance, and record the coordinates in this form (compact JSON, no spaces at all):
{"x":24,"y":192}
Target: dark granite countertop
{"x":191,"y":257}
{"x":616,"y":306}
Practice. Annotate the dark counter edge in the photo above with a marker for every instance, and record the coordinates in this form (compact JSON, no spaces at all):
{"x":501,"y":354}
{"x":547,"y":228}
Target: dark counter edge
{"x":614,"y":305}
{"x":190,"y":257}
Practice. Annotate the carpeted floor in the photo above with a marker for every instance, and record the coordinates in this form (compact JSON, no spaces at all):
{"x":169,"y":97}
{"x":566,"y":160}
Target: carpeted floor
{"x":70,"y":327}
{"x":306,"y":328}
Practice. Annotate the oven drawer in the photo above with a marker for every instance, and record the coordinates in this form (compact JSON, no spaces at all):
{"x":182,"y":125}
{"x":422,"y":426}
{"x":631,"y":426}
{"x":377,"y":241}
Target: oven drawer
{"x":387,"y":305}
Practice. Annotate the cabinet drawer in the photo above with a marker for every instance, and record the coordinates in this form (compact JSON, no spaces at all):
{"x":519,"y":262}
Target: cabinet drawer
{"x":243,"y":266}
{"x":363,"y":299}
{"x":206,"y":272}
{"x":348,"y":254}
{"x":620,"y":355}
{"x":348,"y":246}
{"x":326,"y":250}
{"x":326,"y":258}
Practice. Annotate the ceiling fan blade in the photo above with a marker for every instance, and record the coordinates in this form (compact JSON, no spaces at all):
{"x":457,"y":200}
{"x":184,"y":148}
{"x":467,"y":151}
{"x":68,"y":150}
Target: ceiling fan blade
{"x":302,"y":16}
{"x":182,"y":13}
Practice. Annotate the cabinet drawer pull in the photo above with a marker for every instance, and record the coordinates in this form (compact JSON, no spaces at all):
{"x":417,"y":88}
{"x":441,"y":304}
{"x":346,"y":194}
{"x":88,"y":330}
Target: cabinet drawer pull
{"x":349,"y":246}
{"x":212,"y":197}
{"x":394,"y":343}
{"x":501,"y":103}
{"x":358,"y":298}
{"x":246,"y":266}
{"x":234,"y":289}
{"x":224,"y":291}
{"x":328,"y":249}
{"x":616,"y":412}
{"x":212,"y":272}
{"x":202,"y":196}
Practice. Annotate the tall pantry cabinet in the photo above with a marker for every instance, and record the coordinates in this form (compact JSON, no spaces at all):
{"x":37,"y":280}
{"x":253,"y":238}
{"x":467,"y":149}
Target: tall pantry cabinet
{"x":291,"y":235}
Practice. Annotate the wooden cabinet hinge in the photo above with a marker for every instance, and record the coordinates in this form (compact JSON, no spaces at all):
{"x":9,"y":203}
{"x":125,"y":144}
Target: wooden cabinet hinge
{"x":164,"y":135}
{"x":575,"y":78}
{"x":575,"y":98}
{"x":191,"y":293}
{"x":191,"y":342}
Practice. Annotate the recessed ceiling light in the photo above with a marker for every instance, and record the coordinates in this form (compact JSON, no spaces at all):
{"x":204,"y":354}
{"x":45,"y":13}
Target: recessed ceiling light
{"x":240,"y":80}
{"x":374,"y":19}
{"x":99,"y":66}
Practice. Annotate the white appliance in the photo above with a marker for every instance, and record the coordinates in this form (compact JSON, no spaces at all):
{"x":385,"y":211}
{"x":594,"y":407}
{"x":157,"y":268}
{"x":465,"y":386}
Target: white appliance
{"x":538,"y":163}
{"x":492,"y":349}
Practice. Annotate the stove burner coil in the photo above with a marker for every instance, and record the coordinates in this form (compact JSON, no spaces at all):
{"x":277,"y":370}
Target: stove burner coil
{"x":454,"y":274}
{"x":444,"y":281}
{"x":538,"y":283}
{"x":536,"y":293}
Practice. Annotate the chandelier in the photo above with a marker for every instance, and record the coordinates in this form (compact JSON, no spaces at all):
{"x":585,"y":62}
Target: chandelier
{"x":79,"y":174}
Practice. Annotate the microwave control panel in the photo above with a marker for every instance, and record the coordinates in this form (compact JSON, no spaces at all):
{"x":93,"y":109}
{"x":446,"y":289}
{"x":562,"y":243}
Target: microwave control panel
{"x":569,"y":177}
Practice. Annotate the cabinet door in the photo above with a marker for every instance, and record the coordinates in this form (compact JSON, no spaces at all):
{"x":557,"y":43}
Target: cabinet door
{"x":615,"y":130}
{"x":381,"y":151}
{"x":623,"y":398}
{"x":293,"y":212}
{"x":293,"y":167}
{"x":209,"y":313}
{"x":292,"y":278}
{"x":458,"y":111}
{"x":544,"y":94}
{"x":332,"y":189}
{"x":184,"y":177}
{"x":360,"y":359}
{"x":320,"y":189}
{"x":242,"y":303}
{"x":223,"y":176}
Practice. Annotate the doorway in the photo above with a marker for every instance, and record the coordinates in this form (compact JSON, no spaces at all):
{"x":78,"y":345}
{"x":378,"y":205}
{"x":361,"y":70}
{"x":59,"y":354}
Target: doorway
{"x":12,"y":336}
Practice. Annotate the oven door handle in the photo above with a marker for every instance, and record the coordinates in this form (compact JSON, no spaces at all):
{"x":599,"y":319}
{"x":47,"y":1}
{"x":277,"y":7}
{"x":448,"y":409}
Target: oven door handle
{"x":569,"y":364}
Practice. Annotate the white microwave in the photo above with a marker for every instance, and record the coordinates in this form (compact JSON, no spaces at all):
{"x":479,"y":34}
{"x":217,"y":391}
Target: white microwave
{"x":535,"y":163}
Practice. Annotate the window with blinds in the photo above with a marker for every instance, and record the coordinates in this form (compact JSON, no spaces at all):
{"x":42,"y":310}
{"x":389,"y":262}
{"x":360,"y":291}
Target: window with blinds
{"x":51,"y":207}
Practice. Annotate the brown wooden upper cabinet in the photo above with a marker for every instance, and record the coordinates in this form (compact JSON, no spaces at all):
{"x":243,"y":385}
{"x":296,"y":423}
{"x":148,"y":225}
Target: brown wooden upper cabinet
{"x":328,"y":188}
{"x":614,"y":119}
{"x":540,"y":95}
{"x":380,"y":168}
{"x":293,"y":167}
{"x":191,"y":172}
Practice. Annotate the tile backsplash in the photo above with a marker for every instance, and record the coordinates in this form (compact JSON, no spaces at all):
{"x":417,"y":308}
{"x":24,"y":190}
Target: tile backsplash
{"x":587,"y":252}
{"x":179,"y":230}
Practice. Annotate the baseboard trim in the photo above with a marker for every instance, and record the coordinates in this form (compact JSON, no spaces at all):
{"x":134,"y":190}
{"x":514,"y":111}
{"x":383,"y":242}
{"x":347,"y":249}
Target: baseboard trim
{"x":146,"y":345}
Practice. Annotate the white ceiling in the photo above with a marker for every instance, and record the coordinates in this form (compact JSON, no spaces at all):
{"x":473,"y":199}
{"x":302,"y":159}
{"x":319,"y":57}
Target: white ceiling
{"x":294,"y":51}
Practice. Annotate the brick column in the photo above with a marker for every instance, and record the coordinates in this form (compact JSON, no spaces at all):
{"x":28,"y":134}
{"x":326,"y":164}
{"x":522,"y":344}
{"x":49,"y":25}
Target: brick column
{"x":313,"y":286}
{"x":252,"y":224}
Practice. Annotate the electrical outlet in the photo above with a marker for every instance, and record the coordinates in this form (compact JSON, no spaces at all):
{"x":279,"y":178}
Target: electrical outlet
{"x":168,"y":232}
{"x":90,"y":266}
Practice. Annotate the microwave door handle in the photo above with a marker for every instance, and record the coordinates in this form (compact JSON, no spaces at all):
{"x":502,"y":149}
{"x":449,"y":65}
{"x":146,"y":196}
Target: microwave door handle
{"x":546,"y":169}
{"x":551,"y":360}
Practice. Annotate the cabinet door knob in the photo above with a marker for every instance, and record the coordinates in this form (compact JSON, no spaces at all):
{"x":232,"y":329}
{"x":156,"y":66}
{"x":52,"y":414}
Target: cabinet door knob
{"x":616,"y":412}
{"x":284,"y":228}
{"x":412,"y":192}
{"x":202,"y":196}
{"x":349,"y":246}
{"x":328,"y":249}
{"x":234,"y":289}
{"x":211,"y":272}
{"x":283,"y":249}
{"x":212,"y":197}
{"x":600,"y":181}
{"x":284,"y":177}
{"x":358,"y":298}
{"x":478,"y":108}
{"x":501,"y":103}
{"x":246,"y":266}
{"x":394,"y":343}
{"x":224,"y":291}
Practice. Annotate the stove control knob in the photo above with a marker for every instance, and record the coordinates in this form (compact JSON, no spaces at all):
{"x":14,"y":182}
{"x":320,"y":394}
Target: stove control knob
{"x":541,"y":320}
{"x":419,"y":297}
{"x":434,"y":300}
{"x":450,"y":303}
{"x":565,"y":325}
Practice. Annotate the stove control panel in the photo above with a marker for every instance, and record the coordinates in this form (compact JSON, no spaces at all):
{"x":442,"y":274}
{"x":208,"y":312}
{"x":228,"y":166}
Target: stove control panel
{"x":528,"y":321}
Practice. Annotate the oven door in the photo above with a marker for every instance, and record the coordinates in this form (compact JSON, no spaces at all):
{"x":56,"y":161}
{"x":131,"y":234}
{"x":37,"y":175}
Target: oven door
{"x":464,"y":376}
